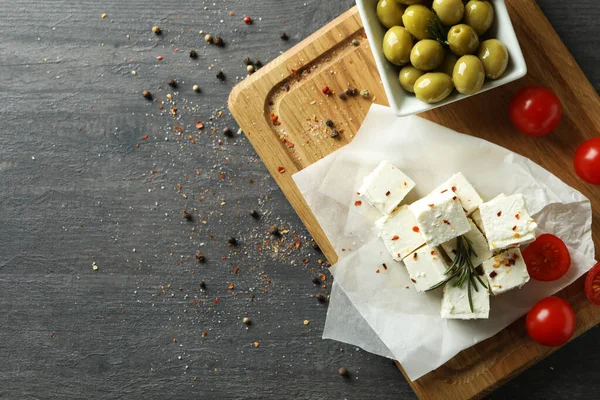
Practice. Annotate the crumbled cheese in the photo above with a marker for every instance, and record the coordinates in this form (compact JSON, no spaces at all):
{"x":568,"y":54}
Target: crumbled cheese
{"x":460,"y":186}
{"x":426,"y":268}
{"x":506,"y":271}
{"x":386,"y":187}
{"x":507,"y":222}
{"x":400,"y":233}
{"x":440,"y":217}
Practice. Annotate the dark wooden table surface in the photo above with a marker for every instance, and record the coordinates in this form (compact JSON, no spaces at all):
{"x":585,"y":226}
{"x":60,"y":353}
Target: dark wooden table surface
{"x":100,"y":289}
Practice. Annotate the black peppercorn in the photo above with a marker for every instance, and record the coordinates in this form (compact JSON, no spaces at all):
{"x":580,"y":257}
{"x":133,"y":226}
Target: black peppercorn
{"x":254,"y":214}
{"x":193,"y":54}
{"x":202,"y":285}
{"x":218,"y":41}
{"x":258,"y":64}
{"x":227,"y":132}
{"x":147,"y":94}
{"x":352,"y":92}
{"x":342,"y":95}
{"x":247,"y":61}
{"x":315,"y":246}
{"x":274,"y":231}
{"x":232,"y":241}
{"x":173,"y":83}
{"x":329,"y":123}
{"x":316,"y":281}
{"x":221,"y":76}
{"x":343,"y":372}
{"x":320,"y":298}
{"x":334,"y":133}
{"x":283,"y":36}
{"x":187,"y":215}
{"x":200,"y":257}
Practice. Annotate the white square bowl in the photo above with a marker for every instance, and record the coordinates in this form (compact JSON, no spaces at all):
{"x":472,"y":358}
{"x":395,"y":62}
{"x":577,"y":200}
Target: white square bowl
{"x":404,"y":103}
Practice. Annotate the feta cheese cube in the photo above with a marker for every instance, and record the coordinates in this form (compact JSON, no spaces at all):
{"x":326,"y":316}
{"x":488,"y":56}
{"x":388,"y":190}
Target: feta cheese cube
{"x":400,"y":233}
{"x":507,"y":222}
{"x":455,"y":302}
{"x":426,"y":267}
{"x":440,"y":217}
{"x":460,"y":186}
{"x":480,"y":246}
{"x":385,"y":187}
{"x":506,"y":271}
{"x":476,"y":216}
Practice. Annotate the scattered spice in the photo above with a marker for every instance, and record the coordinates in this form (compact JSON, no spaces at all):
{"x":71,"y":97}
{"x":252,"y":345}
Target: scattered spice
{"x":208,"y":38}
{"x":258,"y":64}
{"x":320,"y":298}
{"x":200,"y":258}
{"x":343,"y":372}
{"x":499,"y":213}
{"x":514,"y":228}
{"x":517,"y":216}
{"x":415,"y":256}
{"x":232,"y":241}
{"x":326,"y":91}
{"x":364,"y":93}
{"x":250,"y":69}
{"x":387,"y":193}
{"x":202,"y":285}
{"x":274,"y":231}
{"x":231,"y":286}
{"x":413,"y":280}
{"x":159,"y":58}
{"x":227,"y":132}
{"x":246,"y":321}
{"x":329,"y":123}
{"x":306,"y":322}
{"x":218,"y":41}
{"x":248,"y":20}
{"x":342,"y":95}
{"x":256,"y":344}
{"x":221,"y":76}
{"x":283,"y":36}
{"x":355,"y":42}
{"x":146,"y":94}
{"x":384,"y":266}
{"x":193,"y":54}
{"x":454,"y":188}
{"x":447,"y":222}
{"x":247,"y":61}
{"x":187,"y":215}
{"x":395,"y":237}
{"x":334,"y":133}
{"x":254,"y":214}
{"x":517,"y":235}
{"x":103,"y":16}
{"x":156,"y":30}
{"x":352,"y":92}
{"x":357,"y":203}
{"x":172,"y":83}
{"x":196,"y":88}
{"x":199,"y":125}
{"x":281,"y":170}
{"x":416,"y":229}
{"x":95,"y":267}
{"x":316,"y":280}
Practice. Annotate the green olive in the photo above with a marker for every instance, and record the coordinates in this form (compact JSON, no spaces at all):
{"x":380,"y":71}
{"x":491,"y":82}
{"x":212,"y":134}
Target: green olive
{"x":450,"y":12}
{"x":389,"y":13}
{"x":494,"y":56}
{"x":397,"y":44}
{"x":462,"y":40}
{"x":408,"y":77}
{"x":468,"y":75}
{"x":447,"y":66}
{"x":408,"y":2}
{"x":433,"y":87}
{"x":416,"y":20}
{"x":427,"y":54}
{"x":479,"y":15}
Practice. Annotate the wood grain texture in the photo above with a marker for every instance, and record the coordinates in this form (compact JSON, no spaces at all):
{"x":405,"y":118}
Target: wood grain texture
{"x":113,"y":329}
{"x":283,"y":112}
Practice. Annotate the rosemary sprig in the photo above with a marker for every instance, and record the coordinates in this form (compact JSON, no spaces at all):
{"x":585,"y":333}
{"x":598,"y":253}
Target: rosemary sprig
{"x":462,"y":269}
{"x":436,"y":30}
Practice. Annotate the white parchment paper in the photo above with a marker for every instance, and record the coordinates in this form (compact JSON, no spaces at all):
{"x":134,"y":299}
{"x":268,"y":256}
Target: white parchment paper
{"x":408,"y":323}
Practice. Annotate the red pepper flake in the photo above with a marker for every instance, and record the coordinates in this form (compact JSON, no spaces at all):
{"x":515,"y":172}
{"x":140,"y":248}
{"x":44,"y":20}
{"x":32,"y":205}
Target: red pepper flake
{"x":275,"y":119}
{"x":447,"y":222}
{"x":517,"y":216}
{"x":499,"y":213}
{"x":251,"y":181}
{"x":433,"y":252}
{"x":174,"y":340}
{"x":415,"y":256}
{"x":454,"y":198}
{"x":405,"y":184}
{"x":288,"y":143}
{"x":377,"y":271}
{"x":236,"y":270}
{"x":145,"y":137}
{"x":154,"y":171}
{"x":305,"y":260}
{"x":493,"y":274}
{"x":256,"y":344}
{"x":248,"y":21}
{"x":178,"y":129}
{"x":281,"y":170}
{"x":199,"y":125}
{"x":222,"y":175}
{"x":159,"y":58}
{"x":297,"y":244}
{"x":323,"y":277}
{"x":514,"y":228}
{"x":413,"y":281}
{"x":444,"y":191}
{"x":396,"y":237}
{"x":216,"y":300}
{"x":204,"y":334}
{"x":230,"y":286}
{"x":52,"y":335}
{"x":387,"y":193}
{"x":358,"y":203}
{"x":326,"y":91}
{"x":454,"y":188}
{"x":515,"y":257}
{"x":384,"y":266}
{"x":431,"y":205}
{"x":416,"y":229}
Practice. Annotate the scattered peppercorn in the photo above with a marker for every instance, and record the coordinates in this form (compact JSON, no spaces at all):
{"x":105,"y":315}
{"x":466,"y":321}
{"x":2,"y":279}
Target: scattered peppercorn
{"x":258,"y":64}
{"x":193,"y":54}
{"x":218,"y":41}
{"x":352,"y":92}
{"x":187,"y":215}
{"x":247,"y":61}
{"x":232,"y":241}
{"x":364,"y":93}
{"x":246,"y":321}
{"x":156,"y":30}
{"x":329,"y":123}
{"x":200,"y":257}
{"x":274,"y":231}
{"x":254,"y":214}
{"x":147,"y":94}
{"x":202,"y":285}
{"x":316,"y":280}
{"x":283,"y":36}
{"x":355,"y":42}
{"x":320,"y":298}
{"x":172,"y":83}
{"x":208,"y":38}
{"x":343,"y":372}
{"x":334,"y":133}
{"x":221,"y":76}
{"x":250,"y":69}
{"x":342,"y":95}
{"x":248,"y":20}
{"x":196,"y":88}
{"x":315,"y":246}
{"x":227,"y":132}
{"x":325,"y":90}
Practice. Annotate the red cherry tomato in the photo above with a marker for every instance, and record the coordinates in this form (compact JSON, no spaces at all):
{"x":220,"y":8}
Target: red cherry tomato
{"x":551,"y":322}
{"x":587,"y":161}
{"x":592,"y":285}
{"x":547,"y":258}
{"x":535,"y":111}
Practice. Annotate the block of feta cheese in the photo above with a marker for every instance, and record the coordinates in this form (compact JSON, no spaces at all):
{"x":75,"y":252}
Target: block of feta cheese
{"x":400,"y":233}
{"x":426,"y":268}
{"x":385,"y":187}
{"x":480,"y":246}
{"x":507,"y":222}
{"x":440,"y":217}
{"x":455,"y":302}
{"x":476,"y":216}
{"x":460,"y":186}
{"x":506,"y":271}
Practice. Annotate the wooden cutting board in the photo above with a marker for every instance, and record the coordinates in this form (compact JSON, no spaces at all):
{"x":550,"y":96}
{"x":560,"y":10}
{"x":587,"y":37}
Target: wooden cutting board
{"x":282,"y":110}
